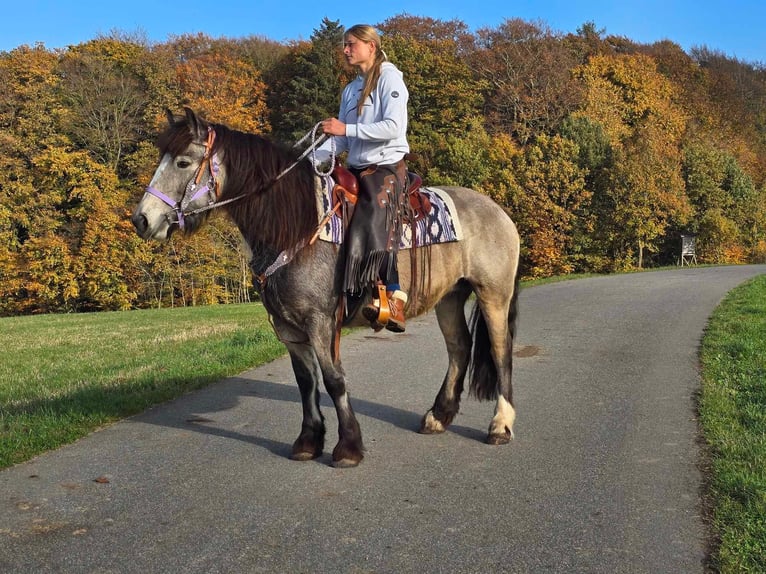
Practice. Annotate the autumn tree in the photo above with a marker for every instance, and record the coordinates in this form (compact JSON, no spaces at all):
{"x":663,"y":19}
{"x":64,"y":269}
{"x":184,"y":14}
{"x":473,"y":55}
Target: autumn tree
{"x":29,"y":113}
{"x":226,"y":89}
{"x":105,"y":97}
{"x":528,"y":71}
{"x":636,"y":106}
{"x":547,"y":199}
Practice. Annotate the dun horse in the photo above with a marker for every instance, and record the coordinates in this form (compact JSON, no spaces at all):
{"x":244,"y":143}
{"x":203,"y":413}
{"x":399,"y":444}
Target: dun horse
{"x":276,"y":212}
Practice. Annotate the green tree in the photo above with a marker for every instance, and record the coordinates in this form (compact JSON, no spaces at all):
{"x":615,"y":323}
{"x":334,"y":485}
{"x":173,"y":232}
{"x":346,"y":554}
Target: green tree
{"x":307,"y":83}
{"x":593,"y":236}
{"x":445,"y":95}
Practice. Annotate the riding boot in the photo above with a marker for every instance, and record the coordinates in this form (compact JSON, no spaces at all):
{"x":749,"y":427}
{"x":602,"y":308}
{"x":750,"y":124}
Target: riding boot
{"x":386,"y":310}
{"x":396,"y":302}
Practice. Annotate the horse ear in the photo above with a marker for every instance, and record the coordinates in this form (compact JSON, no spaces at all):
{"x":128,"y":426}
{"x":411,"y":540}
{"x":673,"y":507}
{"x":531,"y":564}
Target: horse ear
{"x":195,"y":124}
{"x":169,"y":115}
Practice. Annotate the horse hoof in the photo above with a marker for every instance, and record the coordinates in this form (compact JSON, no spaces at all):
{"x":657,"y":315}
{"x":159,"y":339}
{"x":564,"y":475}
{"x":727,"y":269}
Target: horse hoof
{"x":346,"y":455}
{"x":501,"y":438}
{"x":430,"y":425}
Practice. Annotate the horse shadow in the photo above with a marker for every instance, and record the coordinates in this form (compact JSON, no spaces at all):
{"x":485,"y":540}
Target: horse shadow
{"x":197,"y":411}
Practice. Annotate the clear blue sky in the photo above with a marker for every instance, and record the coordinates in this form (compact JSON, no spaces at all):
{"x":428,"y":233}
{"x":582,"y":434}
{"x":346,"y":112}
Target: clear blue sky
{"x":736,"y":27}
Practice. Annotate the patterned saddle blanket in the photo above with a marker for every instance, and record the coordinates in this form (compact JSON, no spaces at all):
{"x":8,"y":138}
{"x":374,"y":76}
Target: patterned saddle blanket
{"x":440,"y":224}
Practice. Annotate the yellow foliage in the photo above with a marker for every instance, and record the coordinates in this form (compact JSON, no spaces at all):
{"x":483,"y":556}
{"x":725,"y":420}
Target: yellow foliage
{"x":227,"y":89}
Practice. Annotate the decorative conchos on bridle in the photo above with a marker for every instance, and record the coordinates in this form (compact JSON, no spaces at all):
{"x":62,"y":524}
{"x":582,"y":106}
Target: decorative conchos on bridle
{"x":193,"y":189}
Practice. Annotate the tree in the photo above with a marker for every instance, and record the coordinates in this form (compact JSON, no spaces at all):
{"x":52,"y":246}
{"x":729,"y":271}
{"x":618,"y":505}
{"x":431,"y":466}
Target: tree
{"x":307,"y":83}
{"x":593,"y":238}
{"x":29,"y":112}
{"x":549,"y":197}
{"x":105,"y":97}
{"x":528,"y":71}
{"x":636,"y":106}
{"x":226,"y":89}
{"x":445,"y":96}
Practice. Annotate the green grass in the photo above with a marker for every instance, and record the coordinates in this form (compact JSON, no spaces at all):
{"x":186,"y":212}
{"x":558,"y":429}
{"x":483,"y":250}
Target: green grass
{"x":733,"y":416}
{"x":62,"y":376}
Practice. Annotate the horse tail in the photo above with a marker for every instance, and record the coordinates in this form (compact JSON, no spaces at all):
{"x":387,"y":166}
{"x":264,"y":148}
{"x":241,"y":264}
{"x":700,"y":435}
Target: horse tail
{"x":483,"y":373}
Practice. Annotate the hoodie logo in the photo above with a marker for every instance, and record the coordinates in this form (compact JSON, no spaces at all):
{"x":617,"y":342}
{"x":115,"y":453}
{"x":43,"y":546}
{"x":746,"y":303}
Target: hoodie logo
{"x":394,"y":94}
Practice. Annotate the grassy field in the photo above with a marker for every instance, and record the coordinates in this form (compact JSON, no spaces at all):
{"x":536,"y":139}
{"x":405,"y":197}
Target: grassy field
{"x":733,"y":415}
{"x":62,"y":376}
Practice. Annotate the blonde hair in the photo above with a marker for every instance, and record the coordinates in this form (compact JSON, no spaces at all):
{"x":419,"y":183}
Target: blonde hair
{"x":366,"y":33}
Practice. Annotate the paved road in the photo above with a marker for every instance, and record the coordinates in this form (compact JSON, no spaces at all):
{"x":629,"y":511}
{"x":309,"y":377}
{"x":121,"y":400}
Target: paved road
{"x":602,"y":477}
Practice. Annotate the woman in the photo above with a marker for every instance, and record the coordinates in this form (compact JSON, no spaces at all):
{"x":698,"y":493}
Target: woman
{"x":372,"y":127}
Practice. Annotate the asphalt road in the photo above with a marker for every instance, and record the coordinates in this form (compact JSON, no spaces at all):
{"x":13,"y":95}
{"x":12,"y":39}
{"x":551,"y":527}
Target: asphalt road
{"x":603,"y":475}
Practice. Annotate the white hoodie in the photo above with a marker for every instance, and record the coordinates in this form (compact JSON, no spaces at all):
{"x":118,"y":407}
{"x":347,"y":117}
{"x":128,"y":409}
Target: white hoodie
{"x":379,"y":135}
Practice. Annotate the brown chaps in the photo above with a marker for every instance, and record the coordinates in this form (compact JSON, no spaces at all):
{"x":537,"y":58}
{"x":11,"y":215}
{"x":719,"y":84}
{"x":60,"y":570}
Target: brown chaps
{"x":373,"y":236}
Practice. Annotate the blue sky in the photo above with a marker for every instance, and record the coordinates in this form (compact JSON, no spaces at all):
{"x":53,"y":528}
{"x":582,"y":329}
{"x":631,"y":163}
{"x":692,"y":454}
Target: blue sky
{"x":736,"y":27}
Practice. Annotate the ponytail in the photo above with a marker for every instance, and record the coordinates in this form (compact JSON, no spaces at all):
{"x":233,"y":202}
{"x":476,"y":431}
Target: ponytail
{"x":371,"y":80}
{"x":367,"y":33}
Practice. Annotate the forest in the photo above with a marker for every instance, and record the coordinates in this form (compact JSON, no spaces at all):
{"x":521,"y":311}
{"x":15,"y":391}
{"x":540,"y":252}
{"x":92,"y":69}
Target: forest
{"x":603,"y":150}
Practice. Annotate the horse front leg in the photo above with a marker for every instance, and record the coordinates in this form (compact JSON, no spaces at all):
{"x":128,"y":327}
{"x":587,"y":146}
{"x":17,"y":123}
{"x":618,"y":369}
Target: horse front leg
{"x":349,"y":451}
{"x":310,"y":442}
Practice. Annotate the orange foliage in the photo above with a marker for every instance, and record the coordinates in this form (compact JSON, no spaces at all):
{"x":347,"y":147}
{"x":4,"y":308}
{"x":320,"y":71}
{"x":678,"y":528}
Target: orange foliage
{"x":226,"y":89}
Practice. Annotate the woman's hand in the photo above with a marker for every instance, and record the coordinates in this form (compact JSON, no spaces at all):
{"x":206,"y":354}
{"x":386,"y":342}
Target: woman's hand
{"x":334,"y":127}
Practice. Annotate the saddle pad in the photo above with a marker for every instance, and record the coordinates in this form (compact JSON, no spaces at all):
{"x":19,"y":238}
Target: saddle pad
{"x":440,"y":226}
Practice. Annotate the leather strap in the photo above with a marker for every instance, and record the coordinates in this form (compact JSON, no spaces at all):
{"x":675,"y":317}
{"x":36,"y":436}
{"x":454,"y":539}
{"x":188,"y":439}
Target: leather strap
{"x":338,"y":327}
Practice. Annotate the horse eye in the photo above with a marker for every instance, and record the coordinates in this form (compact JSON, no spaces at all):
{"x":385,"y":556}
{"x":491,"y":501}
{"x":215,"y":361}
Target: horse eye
{"x":183,"y":164}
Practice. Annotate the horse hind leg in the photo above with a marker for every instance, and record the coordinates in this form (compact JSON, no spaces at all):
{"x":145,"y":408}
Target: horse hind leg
{"x":494,"y":330}
{"x":450,"y":313}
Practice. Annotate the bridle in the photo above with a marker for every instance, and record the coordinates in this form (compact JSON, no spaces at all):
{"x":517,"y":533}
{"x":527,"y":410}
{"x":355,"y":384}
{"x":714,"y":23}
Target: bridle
{"x":211,"y":163}
{"x":193,"y":189}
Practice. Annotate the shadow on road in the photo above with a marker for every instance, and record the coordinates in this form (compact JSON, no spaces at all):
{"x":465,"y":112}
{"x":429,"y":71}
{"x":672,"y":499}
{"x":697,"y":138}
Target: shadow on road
{"x":196,"y":412}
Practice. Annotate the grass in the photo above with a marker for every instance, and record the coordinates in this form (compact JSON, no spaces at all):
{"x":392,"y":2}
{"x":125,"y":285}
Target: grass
{"x":62,"y":376}
{"x":733,"y":417}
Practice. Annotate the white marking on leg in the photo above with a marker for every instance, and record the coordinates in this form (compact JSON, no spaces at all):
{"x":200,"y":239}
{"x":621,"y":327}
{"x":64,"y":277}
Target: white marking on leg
{"x":504,"y":417}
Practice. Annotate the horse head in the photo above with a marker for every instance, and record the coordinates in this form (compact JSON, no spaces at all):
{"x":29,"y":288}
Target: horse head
{"x":186,"y":182}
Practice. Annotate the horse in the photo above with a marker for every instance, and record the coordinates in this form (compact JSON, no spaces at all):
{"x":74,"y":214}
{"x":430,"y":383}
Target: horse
{"x":268,"y":190}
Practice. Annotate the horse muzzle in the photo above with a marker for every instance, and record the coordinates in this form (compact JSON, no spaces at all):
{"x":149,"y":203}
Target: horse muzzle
{"x":160,"y":230}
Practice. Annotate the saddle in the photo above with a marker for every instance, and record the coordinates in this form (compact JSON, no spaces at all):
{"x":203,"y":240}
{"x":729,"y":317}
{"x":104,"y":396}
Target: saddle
{"x":347,"y":189}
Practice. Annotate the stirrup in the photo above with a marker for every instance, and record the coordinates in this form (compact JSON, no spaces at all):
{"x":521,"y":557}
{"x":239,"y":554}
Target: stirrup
{"x":378,"y":311}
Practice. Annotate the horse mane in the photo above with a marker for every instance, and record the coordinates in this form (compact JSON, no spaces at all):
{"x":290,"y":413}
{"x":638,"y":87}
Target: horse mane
{"x":280,"y":213}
